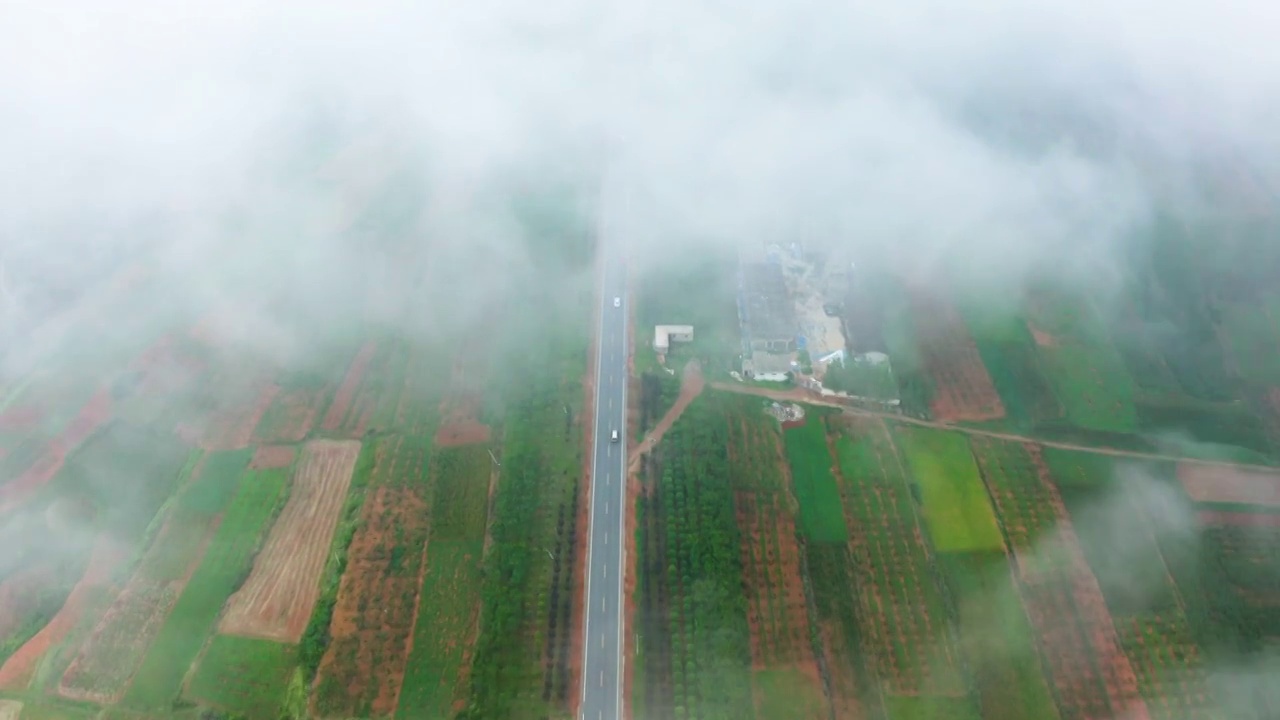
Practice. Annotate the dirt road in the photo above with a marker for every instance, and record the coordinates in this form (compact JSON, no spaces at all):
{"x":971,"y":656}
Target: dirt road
{"x":799,"y":395}
{"x":691,"y":386}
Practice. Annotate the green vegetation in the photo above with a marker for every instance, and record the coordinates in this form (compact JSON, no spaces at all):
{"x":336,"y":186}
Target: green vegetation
{"x":956,"y":508}
{"x":999,"y":647}
{"x":1088,"y":374}
{"x":821,"y":514}
{"x":527,"y":591}
{"x":226,"y":565}
{"x":244,"y":675}
{"x":931,"y":708}
{"x":906,"y":635}
{"x":1008,"y":351}
{"x":1253,"y":339}
{"x":701,"y":293}
{"x":915,"y":385}
{"x":863,"y":377}
{"x":705,"y":612}
{"x":448,"y":601}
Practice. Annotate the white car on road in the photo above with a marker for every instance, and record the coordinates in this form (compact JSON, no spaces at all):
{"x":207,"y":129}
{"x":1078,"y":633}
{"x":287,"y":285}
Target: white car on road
{"x":617,"y":302}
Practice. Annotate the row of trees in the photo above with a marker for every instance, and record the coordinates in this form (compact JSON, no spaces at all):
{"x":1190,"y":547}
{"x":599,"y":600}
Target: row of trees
{"x":710,"y":642}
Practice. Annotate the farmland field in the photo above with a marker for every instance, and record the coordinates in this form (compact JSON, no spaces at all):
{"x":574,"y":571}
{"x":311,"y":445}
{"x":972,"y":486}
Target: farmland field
{"x":904,"y":623}
{"x":243,"y":675}
{"x":956,"y":508}
{"x":108,"y":659}
{"x":227,"y":559}
{"x":962,"y":389}
{"x":277,"y":598}
{"x":447,"y":607}
{"x":1085,"y":369}
{"x":374,"y":612}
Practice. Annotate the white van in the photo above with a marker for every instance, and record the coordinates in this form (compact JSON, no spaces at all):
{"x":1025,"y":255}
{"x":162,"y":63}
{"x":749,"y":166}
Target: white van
{"x":614,"y":436}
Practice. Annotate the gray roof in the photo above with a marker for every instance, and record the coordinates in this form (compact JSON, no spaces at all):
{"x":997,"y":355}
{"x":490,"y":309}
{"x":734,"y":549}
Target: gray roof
{"x":765,"y":303}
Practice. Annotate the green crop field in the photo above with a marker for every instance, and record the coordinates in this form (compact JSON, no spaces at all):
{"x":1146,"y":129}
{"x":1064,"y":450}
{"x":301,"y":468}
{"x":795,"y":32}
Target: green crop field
{"x":1001,"y":651}
{"x":227,"y":560}
{"x":242,"y":675}
{"x":821,"y":514}
{"x":448,"y":601}
{"x":1086,"y":371}
{"x":697,"y":656}
{"x":905,"y":633}
{"x":956,"y":508}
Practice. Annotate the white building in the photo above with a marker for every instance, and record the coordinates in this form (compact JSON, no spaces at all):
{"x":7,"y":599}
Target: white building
{"x":664,"y":335}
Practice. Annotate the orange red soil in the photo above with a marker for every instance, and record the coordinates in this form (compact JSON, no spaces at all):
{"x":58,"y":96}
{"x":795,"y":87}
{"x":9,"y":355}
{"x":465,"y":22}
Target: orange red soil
{"x":377,"y":598}
{"x":272,"y":456}
{"x":277,"y":599}
{"x":107,"y":556}
{"x":962,"y":388}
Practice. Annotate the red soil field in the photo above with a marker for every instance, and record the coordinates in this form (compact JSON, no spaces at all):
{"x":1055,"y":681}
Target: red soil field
{"x":1082,"y":653}
{"x":373,"y":619}
{"x":272,"y":456}
{"x":1208,"y":483}
{"x":460,"y":410}
{"x":1213,"y":518}
{"x":458,"y":423}
{"x":233,"y":429}
{"x":299,"y":408}
{"x":346,"y":392}
{"x":96,"y":412}
{"x":21,"y":417}
{"x":276,"y":600}
{"x":962,"y":388}
{"x":17,"y":671}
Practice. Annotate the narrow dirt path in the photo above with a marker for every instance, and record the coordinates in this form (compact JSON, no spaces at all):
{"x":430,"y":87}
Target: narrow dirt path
{"x":691,"y":386}
{"x":799,"y":395}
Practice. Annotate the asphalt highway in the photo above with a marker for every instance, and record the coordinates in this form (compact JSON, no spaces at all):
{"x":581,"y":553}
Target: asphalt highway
{"x":603,"y":651}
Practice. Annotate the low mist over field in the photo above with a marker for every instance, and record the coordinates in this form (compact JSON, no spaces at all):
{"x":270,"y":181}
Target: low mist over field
{"x":274,"y":178}
{"x":1020,"y":133}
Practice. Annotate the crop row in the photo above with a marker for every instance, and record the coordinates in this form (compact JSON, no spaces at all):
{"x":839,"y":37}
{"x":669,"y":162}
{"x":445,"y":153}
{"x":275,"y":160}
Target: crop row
{"x":520,"y":666}
{"x":707,"y":618}
{"x":905,"y":615}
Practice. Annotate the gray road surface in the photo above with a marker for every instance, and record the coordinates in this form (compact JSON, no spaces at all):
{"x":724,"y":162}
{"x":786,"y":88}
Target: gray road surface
{"x":602,"y":656}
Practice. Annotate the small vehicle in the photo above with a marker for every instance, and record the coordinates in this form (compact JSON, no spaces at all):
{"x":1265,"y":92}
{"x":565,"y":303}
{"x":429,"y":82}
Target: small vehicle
{"x":617,"y":302}
{"x":614,"y":436}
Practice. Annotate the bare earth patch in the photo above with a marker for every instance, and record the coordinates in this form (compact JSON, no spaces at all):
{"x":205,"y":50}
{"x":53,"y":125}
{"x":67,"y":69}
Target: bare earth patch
{"x":377,"y":598}
{"x":277,"y":599}
{"x":1220,"y":484}
{"x":10,"y":709}
{"x":272,"y":456}
{"x":962,"y":387}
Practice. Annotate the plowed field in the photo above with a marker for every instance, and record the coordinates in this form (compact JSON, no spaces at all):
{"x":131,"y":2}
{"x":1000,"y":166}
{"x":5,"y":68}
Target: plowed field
{"x":1205,"y":483}
{"x":277,"y":599}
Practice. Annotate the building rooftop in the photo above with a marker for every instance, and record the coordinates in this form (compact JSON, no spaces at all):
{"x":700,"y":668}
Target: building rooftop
{"x":766,"y":305}
{"x":662,"y":334}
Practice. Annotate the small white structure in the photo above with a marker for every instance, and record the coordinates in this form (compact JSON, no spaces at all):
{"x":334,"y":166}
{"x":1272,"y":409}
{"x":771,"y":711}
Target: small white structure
{"x":664,"y":335}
